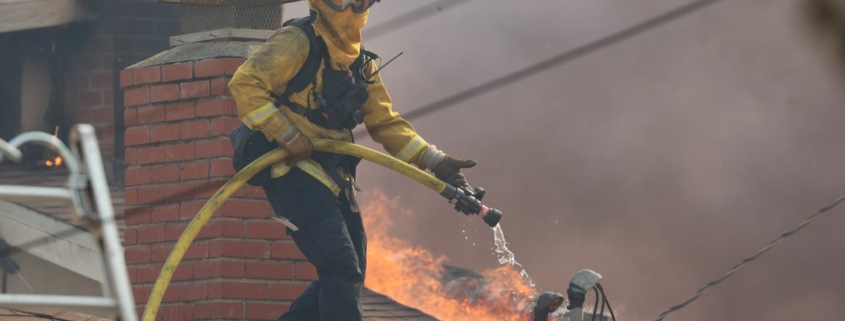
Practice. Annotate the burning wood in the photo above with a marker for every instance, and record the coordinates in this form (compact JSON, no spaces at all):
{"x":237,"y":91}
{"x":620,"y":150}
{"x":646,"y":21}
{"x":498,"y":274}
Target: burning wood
{"x":414,"y":277}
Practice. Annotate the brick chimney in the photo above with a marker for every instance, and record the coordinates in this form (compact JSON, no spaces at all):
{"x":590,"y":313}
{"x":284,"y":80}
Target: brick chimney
{"x":178,"y":115}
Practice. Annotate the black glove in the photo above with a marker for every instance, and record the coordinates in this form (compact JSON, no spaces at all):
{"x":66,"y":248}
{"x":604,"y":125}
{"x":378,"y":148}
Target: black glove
{"x":449,"y":171}
{"x":576,"y":298}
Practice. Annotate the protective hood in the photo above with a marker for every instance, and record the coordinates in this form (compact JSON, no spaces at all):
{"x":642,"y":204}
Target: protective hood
{"x":340,"y":30}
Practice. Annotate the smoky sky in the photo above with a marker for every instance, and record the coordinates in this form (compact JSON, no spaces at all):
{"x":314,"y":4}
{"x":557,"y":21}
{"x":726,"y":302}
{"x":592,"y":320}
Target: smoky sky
{"x":659,"y":162}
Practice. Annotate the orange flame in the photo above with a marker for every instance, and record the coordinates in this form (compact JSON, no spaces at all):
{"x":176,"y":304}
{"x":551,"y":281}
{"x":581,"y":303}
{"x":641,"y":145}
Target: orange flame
{"x":412,"y":275}
{"x":56,"y":162}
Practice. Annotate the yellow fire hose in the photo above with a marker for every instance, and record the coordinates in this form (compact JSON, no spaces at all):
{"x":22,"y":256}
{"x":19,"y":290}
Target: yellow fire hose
{"x":468,"y":203}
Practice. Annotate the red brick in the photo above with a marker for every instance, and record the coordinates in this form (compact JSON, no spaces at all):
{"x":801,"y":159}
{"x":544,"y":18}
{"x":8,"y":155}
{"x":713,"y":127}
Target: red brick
{"x":219,"y":310}
{"x":165,"y":213}
{"x":103,"y":115}
{"x":265,"y":311}
{"x":211,"y":230}
{"x":180,"y":192}
{"x":207,"y":190}
{"x":194,"y":89}
{"x":151,"y":234}
{"x":208,"y":270}
{"x":244,"y":290}
{"x":108,"y":97}
{"x":178,"y":111}
{"x":194,"y":170}
{"x":176,"y":72}
{"x":215,"y":107}
{"x":164,"y":93}
{"x":215,"y":291}
{"x":130,"y":273}
{"x":184,"y":272}
{"x":245,"y":249}
{"x":147,"y":75}
{"x":222,"y":168}
{"x":214,"y":148}
{"x":306,"y":271}
{"x":242,"y":208}
{"x":193,"y":292}
{"x":233,"y":228}
{"x":137,"y":255}
{"x":187,"y":210}
{"x":198,"y":250}
{"x":102,"y":79}
{"x":220,"y":86}
{"x":193,"y":129}
{"x":164,"y":132}
{"x":147,"y":274}
{"x":269,"y":270}
{"x":171,"y":295}
{"x":174,"y":231}
{"x":130,"y":237}
{"x":130,"y":156}
{"x":179,"y":312}
{"x":287,"y":291}
{"x":151,"y":155}
{"x":165,"y":174}
{"x":232,"y":269}
{"x":126,"y":78}
{"x":136,"y":96}
{"x":137,"y":136}
{"x":151,"y":195}
{"x":153,"y":114}
{"x":160,"y":252}
{"x":266,"y":229}
{"x":255,"y":192}
{"x":179,"y":152}
{"x":137,"y":216}
{"x":137,"y":176}
{"x":130,"y":196}
{"x":90,"y":99}
{"x":130,"y":117}
{"x":222,"y":127}
{"x":216,"y":67}
{"x":141,"y":293}
{"x":286,"y":250}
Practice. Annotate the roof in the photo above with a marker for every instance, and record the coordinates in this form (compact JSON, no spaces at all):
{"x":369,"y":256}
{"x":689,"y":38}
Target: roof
{"x":378,"y":307}
{"x":41,"y":314}
{"x":16,"y":175}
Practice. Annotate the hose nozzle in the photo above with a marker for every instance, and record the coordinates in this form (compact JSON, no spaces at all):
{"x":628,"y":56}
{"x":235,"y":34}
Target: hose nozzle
{"x":469,"y":202}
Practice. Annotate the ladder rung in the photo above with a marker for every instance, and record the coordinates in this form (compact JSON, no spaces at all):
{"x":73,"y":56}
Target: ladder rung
{"x":31,"y":193}
{"x":63,"y":301}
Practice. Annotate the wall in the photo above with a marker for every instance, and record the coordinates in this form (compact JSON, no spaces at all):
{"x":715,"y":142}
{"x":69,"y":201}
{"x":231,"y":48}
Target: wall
{"x":242,"y":265}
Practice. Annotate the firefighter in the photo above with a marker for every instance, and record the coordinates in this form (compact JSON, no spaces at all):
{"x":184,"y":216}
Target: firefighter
{"x":313,"y":79}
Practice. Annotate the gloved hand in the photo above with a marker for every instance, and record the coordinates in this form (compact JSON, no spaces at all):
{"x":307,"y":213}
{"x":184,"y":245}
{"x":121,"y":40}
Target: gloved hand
{"x":445,"y":167}
{"x":449,"y":170}
{"x":297,"y":145}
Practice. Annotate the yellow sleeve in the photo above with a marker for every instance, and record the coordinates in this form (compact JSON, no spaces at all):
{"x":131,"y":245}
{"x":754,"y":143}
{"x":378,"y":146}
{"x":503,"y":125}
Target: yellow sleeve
{"x":268,"y":70}
{"x":387,"y":128}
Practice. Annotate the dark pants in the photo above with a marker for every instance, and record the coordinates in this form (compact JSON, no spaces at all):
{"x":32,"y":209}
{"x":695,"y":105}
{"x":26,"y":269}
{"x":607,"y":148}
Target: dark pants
{"x":332,"y":237}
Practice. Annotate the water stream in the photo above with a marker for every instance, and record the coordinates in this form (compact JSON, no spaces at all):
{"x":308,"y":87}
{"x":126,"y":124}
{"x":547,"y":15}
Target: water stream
{"x":507,"y":257}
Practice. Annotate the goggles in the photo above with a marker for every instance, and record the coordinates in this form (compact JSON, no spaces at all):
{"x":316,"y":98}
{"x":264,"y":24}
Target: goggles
{"x":358,"y":6}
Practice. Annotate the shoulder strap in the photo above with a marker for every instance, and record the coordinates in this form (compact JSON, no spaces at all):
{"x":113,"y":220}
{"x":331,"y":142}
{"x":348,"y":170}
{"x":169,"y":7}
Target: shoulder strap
{"x":308,"y":73}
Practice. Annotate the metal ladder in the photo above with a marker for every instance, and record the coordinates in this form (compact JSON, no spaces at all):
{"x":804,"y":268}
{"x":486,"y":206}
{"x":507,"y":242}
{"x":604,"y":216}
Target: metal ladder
{"x":87,"y":195}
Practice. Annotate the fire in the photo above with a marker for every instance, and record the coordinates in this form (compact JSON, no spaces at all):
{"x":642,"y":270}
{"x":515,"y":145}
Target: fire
{"x":57,"y":161}
{"x":412,"y":275}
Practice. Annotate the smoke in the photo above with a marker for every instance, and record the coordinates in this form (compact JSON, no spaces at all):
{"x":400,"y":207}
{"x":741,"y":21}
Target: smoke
{"x":659,"y":162}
